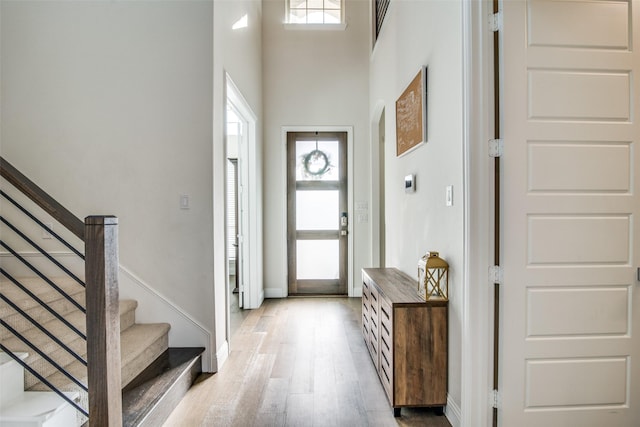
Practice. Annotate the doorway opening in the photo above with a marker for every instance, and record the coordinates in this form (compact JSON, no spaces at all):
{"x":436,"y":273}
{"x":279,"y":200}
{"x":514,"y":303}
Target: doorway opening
{"x":235,"y":131}
{"x":317,"y":219}
{"x":378,"y":228}
{"x":243,"y":209}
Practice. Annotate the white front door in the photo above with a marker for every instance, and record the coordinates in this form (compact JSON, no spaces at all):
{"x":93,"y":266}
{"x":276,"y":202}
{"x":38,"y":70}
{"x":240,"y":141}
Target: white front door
{"x":570,"y":307}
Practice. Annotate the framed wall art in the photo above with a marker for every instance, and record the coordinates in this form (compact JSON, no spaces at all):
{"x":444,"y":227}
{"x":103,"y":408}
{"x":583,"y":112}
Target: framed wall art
{"x":411,"y":115}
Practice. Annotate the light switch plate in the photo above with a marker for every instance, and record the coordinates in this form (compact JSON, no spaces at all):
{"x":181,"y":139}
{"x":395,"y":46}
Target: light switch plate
{"x":449,"y":195}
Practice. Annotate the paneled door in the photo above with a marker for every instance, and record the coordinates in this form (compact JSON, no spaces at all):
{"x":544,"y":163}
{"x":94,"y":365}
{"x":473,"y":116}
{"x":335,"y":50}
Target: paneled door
{"x":317,"y":217}
{"x":570,"y":341}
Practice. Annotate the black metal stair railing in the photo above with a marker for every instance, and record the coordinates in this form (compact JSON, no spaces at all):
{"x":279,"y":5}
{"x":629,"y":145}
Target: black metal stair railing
{"x":42,"y":276}
{"x":42,"y":251}
{"x":36,"y":324}
{"x":44,"y":380}
{"x":41,"y":224}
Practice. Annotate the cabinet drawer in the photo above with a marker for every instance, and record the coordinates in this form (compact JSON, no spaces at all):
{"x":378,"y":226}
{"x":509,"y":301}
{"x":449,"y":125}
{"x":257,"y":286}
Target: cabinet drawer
{"x":386,"y":375}
{"x":365,"y":288}
{"x":386,"y":318}
{"x":373,"y":301}
{"x":372,"y":345}
{"x":365,"y":327}
{"x":366,"y":304}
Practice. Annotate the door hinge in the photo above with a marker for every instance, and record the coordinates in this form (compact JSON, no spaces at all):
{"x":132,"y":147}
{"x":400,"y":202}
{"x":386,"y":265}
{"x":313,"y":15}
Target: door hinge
{"x":496,"y":147}
{"x":495,"y":21}
{"x":496,"y":274}
{"x":494,"y":399}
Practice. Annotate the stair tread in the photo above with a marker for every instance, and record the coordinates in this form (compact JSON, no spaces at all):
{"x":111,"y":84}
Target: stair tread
{"x":145,"y":392}
{"x":40,"y":288}
{"x":59,"y":330}
{"x":133,"y":342}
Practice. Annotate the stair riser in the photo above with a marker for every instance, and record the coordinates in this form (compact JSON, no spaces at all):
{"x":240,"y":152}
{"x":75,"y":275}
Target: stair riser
{"x":127,"y":319}
{"x":130,"y":369}
{"x":12,"y":376}
{"x":61,"y":356}
{"x":151,"y":353}
{"x":57,"y":353}
{"x":43,"y":290}
{"x":19,"y":323}
{"x":173,"y":397}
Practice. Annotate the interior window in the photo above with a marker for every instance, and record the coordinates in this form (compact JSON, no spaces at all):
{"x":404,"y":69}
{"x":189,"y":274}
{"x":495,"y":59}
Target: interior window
{"x":315,"y":11}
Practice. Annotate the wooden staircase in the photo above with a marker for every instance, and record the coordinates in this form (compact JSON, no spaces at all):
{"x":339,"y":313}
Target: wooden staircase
{"x":143,"y":347}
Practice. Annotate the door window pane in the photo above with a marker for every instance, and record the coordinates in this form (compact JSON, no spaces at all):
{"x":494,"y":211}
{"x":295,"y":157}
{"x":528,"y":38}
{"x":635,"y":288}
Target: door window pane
{"x":317,"y":259}
{"x":317,"y":210}
{"x":317,"y":161}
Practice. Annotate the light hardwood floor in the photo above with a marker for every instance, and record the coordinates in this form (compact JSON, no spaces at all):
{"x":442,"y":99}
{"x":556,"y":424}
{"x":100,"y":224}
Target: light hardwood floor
{"x":297,"y":362}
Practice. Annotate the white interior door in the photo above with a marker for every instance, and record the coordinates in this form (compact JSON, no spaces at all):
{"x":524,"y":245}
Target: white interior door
{"x":570,"y":335}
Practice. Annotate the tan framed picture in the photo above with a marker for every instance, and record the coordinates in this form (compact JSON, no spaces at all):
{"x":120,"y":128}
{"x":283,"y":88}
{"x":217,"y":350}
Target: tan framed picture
{"x":411,"y":115}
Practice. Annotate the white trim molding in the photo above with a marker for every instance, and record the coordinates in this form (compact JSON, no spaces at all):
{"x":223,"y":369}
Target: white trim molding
{"x":275,"y":293}
{"x":477,"y":304}
{"x":222,"y":355}
{"x":452,"y":412}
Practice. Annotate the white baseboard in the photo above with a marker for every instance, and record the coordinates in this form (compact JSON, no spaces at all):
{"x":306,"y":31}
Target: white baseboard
{"x":274,"y":293}
{"x":452,"y":412}
{"x":221,"y":356}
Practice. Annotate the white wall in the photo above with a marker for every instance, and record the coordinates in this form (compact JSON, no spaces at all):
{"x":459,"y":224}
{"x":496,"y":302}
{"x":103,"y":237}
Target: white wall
{"x":108,"y":107}
{"x":237,"y":53}
{"x":312,"y":78}
{"x":418,"y":33}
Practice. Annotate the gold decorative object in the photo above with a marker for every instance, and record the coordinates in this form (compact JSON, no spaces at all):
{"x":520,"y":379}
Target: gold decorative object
{"x":433,"y":277}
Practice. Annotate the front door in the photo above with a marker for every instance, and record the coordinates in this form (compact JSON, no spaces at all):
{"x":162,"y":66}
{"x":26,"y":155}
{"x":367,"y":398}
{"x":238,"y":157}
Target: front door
{"x":570,"y":351}
{"x":317,"y":219}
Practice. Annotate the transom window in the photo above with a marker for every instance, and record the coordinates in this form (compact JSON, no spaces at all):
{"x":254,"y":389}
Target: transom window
{"x":314,"y":11}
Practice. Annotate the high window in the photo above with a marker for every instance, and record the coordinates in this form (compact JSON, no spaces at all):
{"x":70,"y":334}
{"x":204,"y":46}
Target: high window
{"x":315,"y":11}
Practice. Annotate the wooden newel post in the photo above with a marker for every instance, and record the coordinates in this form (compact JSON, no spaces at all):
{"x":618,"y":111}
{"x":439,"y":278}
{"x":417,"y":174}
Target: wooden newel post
{"x":103,"y":321}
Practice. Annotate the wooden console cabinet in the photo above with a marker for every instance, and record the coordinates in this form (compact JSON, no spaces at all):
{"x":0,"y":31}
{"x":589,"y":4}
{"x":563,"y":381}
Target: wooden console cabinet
{"x":406,"y":337}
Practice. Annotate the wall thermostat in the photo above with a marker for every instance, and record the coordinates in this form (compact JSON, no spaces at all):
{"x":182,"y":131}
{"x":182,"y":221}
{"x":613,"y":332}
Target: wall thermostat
{"x":410,"y":183}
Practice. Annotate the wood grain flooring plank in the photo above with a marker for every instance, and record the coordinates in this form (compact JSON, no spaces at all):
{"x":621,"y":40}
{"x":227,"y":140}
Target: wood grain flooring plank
{"x":269,"y":419}
{"x":251,"y":392}
{"x":303,"y":372}
{"x":275,"y":396}
{"x":351,"y":409}
{"x":325,"y":403}
{"x":299,"y":410}
{"x":285,"y":358}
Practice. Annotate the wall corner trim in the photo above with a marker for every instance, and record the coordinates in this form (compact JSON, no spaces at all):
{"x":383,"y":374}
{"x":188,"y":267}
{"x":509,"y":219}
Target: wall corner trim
{"x":452,"y":412}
